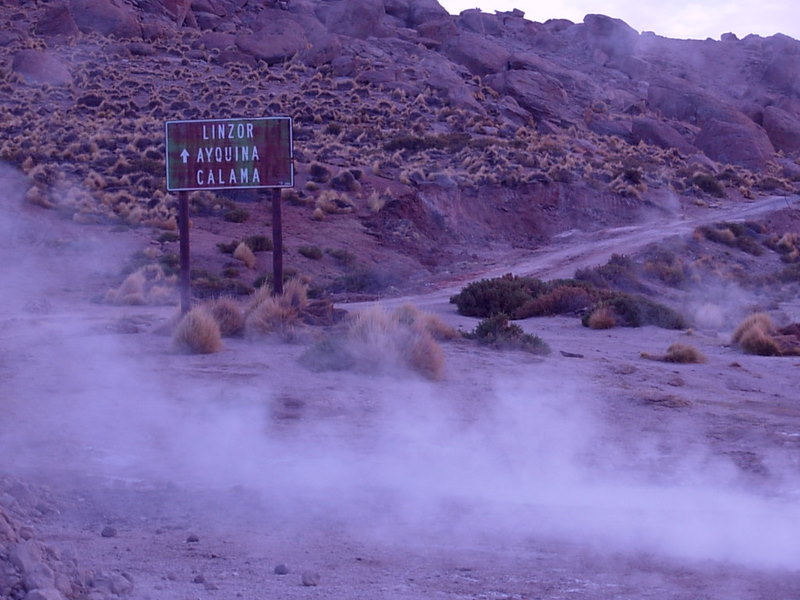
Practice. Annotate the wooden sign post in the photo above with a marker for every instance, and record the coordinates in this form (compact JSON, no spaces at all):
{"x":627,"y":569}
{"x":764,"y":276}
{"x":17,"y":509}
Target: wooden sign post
{"x":224,"y":154}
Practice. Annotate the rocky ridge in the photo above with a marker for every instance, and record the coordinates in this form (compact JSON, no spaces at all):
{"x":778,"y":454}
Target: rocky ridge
{"x":433,"y":129}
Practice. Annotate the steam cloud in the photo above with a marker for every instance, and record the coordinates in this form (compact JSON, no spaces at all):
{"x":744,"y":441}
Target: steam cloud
{"x":508,"y":453}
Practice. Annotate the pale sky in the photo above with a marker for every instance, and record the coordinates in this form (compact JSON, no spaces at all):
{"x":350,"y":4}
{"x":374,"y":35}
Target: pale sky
{"x":678,"y":19}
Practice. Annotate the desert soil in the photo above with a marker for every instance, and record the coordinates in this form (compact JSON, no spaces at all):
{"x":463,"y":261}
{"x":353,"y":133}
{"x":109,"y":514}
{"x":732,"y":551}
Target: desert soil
{"x":591,"y":473}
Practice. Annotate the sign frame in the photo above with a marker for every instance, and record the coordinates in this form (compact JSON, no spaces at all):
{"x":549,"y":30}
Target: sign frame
{"x":285,"y":160}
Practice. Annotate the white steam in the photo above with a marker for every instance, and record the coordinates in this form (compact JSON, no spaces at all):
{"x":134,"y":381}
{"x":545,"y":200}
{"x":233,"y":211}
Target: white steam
{"x":508,"y":452}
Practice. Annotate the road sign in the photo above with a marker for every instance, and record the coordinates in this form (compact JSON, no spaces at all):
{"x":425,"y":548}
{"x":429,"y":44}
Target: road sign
{"x":220,"y":154}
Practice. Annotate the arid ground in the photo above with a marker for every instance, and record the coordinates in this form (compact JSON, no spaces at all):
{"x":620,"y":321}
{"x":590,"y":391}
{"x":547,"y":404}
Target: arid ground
{"x":590,"y":473}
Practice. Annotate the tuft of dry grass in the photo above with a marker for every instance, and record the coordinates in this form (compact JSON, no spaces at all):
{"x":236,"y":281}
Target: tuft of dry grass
{"x":602,"y":317}
{"x":684,"y":354}
{"x":133,"y":284}
{"x":756,"y":334}
{"x":229,"y":316}
{"x":197,"y":333}
{"x":425,"y":355}
{"x":245,"y":254}
{"x":295,"y":294}
{"x":267,"y":314}
{"x":757,"y":341}
{"x":380,"y":339}
{"x":761,"y":321}
{"x":410,"y":315}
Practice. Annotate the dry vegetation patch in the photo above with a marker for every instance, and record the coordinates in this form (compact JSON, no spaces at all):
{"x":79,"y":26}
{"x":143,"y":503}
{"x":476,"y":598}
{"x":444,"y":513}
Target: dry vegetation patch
{"x":198,"y":333}
{"x":678,"y":353}
{"x":757,"y":334}
{"x":375,"y":340}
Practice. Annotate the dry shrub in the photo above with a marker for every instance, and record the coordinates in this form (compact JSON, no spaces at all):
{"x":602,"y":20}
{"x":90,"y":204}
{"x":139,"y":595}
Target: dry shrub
{"x":755,"y":335}
{"x":410,"y":315}
{"x":198,"y":333}
{"x":229,"y":316}
{"x":270,"y":316}
{"x":426,"y":356}
{"x":380,"y":340}
{"x":602,"y":318}
{"x":295,"y":294}
{"x":132,"y":285}
{"x":245,"y":254}
{"x":760,"y":342}
{"x":760,"y":321}
{"x":685,"y":354}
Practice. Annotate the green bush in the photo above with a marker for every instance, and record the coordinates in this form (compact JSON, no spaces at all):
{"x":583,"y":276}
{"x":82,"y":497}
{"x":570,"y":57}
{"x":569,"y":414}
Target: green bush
{"x":168,"y":236}
{"x":620,"y":272}
{"x":637,"y":311}
{"x":312,"y":252}
{"x":343,"y":256}
{"x":362,"y":279}
{"x":228,"y":247}
{"x":497,"y":332}
{"x":561,"y":297}
{"x":236,"y":215}
{"x":709,"y":184}
{"x":488,"y":297}
{"x":259,"y":243}
{"x":743,"y":236}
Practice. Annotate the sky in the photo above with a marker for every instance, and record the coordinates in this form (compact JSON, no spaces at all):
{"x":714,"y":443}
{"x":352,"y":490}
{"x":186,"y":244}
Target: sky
{"x":699,"y":19}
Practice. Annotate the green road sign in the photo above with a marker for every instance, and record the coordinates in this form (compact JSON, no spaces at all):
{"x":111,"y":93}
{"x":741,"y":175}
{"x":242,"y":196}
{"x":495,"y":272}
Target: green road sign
{"x":219,"y":154}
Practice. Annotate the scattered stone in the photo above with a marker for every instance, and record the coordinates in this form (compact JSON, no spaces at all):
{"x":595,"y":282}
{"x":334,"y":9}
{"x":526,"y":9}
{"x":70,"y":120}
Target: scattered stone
{"x":281,"y":569}
{"x":570,"y":354}
{"x":199,"y":579}
{"x":108,"y":532}
{"x":192,"y":538}
{"x":40,"y":576}
{"x":310,"y":579}
{"x":44,"y":594}
{"x":113,"y":583}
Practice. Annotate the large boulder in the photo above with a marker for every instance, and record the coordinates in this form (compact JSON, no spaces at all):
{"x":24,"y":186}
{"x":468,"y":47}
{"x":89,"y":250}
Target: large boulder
{"x":425,"y":11}
{"x":783,"y":63}
{"x":41,"y":66}
{"x":735,"y":141}
{"x":726,"y":134}
{"x":323,"y":49}
{"x":540,"y":94}
{"x":612,"y":38}
{"x":661,"y":134}
{"x":214,"y":39}
{"x":782,"y":128}
{"x":478,"y":53}
{"x":442,"y":75}
{"x":277,"y":39}
{"x":107,"y":17}
{"x":56,"y":20}
{"x":356,"y":18}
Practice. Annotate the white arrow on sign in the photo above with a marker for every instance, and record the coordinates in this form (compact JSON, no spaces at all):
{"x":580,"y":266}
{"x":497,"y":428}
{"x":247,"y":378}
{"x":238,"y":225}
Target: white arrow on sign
{"x":185,"y":155}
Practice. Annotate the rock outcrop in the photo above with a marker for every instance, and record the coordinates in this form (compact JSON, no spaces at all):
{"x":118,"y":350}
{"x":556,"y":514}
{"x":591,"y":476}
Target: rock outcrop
{"x":107,"y":17}
{"x":41,"y":66}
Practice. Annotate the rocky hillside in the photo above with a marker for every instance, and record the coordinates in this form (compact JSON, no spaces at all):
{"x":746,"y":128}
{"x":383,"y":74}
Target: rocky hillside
{"x":434,"y":130}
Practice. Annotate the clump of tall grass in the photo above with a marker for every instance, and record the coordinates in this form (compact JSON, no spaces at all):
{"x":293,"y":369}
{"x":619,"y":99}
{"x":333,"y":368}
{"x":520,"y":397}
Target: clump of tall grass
{"x":197,"y":333}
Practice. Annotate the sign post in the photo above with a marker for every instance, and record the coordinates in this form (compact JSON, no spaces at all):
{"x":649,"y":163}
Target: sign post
{"x":224,"y":154}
